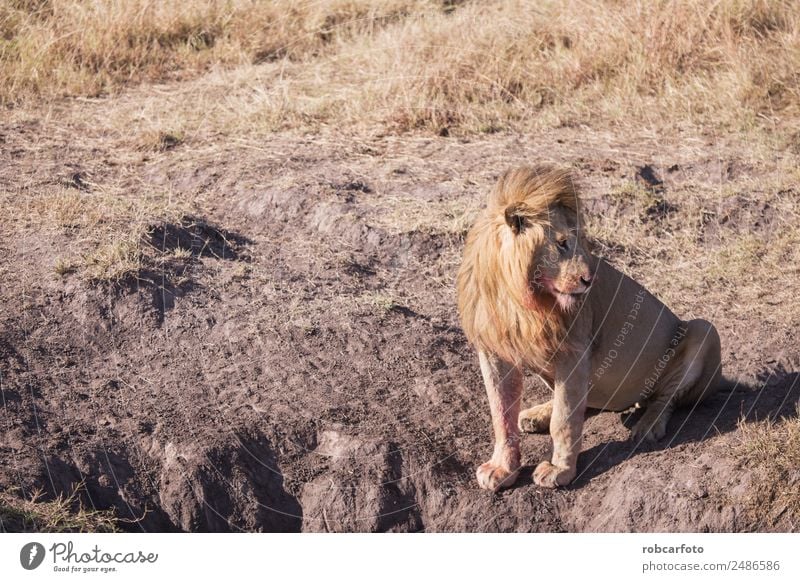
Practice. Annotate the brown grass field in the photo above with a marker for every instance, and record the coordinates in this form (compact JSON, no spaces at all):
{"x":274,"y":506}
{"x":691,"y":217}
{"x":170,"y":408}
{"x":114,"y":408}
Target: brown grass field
{"x":229,"y":232}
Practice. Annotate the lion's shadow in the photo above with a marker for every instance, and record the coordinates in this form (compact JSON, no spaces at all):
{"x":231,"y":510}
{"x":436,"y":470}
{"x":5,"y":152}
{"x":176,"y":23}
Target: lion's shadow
{"x":775,"y":396}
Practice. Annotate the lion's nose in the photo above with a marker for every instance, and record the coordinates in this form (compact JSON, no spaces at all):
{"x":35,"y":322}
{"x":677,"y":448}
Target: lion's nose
{"x":587,"y":280}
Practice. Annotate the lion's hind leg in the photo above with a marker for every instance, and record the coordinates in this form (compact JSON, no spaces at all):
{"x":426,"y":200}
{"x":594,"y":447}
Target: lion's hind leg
{"x":652,"y":425}
{"x":692,"y":376}
{"x":537,"y":418}
{"x":706,"y":345}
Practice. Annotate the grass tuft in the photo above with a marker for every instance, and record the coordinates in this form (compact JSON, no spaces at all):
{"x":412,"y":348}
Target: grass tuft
{"x":774,"y":448}
{"x":63,"y":514}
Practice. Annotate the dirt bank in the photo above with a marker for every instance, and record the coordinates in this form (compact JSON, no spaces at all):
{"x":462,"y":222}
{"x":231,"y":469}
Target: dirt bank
{"x":293,"y":361}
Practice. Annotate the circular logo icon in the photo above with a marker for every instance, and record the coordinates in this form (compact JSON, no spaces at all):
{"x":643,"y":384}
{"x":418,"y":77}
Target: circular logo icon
{"x":31,"y":555}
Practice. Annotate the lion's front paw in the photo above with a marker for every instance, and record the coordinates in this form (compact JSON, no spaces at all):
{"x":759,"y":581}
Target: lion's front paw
{"x":494,"y":477}
{"x":548,"y":475}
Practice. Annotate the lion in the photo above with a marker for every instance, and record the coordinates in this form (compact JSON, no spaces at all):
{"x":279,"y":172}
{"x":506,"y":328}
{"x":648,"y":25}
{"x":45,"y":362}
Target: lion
{"x":531,"y":296}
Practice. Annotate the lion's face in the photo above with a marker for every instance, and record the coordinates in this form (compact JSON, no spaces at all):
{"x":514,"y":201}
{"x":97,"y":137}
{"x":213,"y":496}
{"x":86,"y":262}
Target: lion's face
{"x":562,"y":267}
{"x":526,"y":266}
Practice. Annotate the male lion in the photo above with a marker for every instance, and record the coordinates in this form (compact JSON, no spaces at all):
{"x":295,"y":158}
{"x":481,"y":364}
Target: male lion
{"x":531,"y":296}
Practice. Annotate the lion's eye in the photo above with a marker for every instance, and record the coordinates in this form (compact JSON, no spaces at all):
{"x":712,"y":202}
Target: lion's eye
{"x":563,"y":244}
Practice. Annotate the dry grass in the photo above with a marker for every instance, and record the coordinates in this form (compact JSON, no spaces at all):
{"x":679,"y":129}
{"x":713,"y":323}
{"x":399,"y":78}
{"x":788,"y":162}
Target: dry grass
{"x":478,"y":67}
{"x":382,"y":302}
{"x":725,"y":251}
{"x":437,"y":66}
{"x":400,"y":214}
{"x":63,"y":514}
{"x":573,"y":62}
{"x":106,"y":229}
{"x":774,"y":448}
{"x":79,"y":47}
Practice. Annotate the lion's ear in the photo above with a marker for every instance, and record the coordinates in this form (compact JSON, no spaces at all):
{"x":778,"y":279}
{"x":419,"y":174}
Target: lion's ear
{"x":515,"y":218}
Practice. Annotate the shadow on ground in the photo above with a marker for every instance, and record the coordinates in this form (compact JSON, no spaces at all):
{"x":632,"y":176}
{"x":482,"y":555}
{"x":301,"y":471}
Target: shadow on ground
{"x":774,"y":397}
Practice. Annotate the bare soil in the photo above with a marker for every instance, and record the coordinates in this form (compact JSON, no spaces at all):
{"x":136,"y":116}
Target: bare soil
{"x":304,"y":370}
